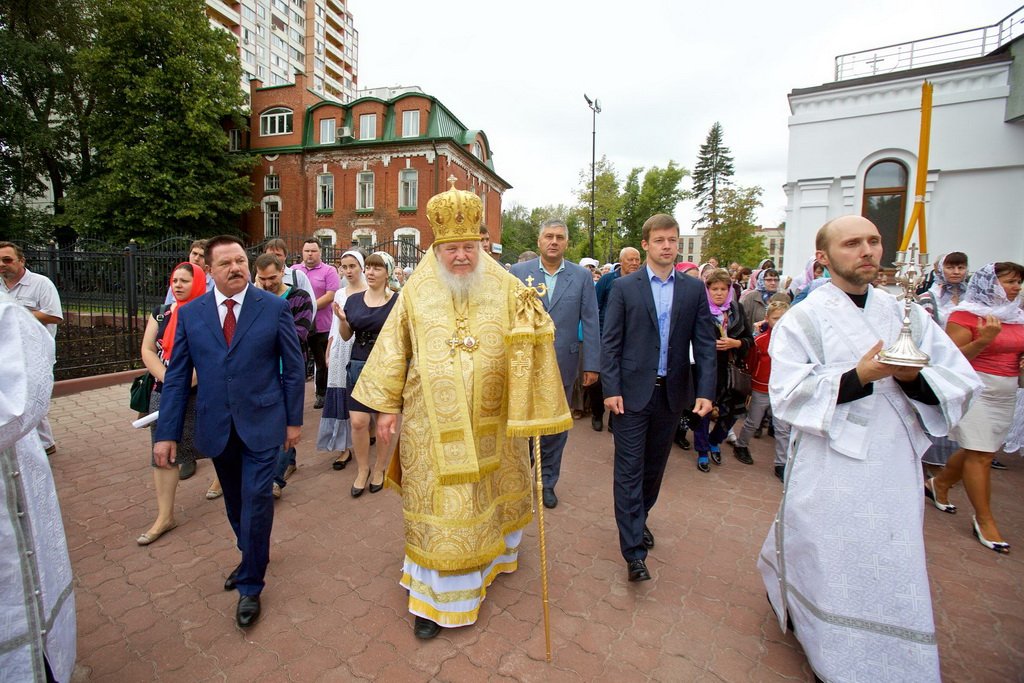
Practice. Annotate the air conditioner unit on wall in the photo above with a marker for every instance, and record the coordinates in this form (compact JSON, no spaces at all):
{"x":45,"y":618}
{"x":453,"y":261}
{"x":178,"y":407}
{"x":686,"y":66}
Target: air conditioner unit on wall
{"x":345,"y":132}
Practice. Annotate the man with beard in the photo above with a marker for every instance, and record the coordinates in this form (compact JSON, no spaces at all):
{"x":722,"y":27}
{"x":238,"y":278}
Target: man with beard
{"x":845,"y":558}
{"x":467,"y":357}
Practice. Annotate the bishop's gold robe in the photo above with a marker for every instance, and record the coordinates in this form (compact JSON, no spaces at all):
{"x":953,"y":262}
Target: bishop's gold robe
{"x":468,"y":394}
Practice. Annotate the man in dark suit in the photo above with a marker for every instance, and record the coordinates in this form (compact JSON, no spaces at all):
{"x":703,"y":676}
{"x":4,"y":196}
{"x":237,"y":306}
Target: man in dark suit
{"x":652,"y":318}
{"x":242,"y":344}
{"x":569,"y":298}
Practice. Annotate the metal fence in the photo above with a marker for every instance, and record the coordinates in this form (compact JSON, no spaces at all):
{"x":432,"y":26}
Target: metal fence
{"x":107,"y":293}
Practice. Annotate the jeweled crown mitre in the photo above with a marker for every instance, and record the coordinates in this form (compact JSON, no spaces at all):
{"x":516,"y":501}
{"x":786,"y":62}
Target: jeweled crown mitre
{"x":455,"y":215}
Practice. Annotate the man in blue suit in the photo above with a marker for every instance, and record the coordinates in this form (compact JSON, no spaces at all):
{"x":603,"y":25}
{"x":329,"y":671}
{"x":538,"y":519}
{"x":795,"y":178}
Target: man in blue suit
{"x":242,"y":344}
{"x":569,"y":298}
{"x":653,"y":317}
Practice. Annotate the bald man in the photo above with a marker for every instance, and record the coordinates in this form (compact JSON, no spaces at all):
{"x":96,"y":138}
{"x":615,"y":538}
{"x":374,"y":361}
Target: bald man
{"x":845,"y":557}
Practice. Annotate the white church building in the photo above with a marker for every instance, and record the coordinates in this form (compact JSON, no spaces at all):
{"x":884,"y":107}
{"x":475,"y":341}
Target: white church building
{"x":853,"y":145}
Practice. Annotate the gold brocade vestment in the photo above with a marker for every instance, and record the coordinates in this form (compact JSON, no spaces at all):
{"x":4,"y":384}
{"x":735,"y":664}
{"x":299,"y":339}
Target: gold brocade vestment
{"x":465,"y":477}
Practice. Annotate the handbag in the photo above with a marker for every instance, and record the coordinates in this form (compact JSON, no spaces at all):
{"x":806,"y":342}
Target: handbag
{"x":739,"y":378}
{"x":142,"y":389}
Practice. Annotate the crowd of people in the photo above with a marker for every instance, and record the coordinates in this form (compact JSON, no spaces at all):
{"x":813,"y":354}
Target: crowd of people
{"x":448,"y":372}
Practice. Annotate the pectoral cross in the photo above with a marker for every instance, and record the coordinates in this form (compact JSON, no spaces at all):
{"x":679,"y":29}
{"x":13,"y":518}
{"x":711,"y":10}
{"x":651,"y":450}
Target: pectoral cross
{"x":541,"y":289}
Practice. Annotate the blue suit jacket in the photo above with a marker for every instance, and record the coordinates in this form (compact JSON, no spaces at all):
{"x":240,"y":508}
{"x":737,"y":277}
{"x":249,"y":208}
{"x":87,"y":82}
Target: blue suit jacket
{"x":257,"y":385}
{"x":630,"y":344}
{"x":574,"y":301}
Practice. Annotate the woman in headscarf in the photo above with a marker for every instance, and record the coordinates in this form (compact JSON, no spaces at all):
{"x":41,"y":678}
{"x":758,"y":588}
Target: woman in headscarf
{"x":335,"y":431}
{"x":755,"y":301}
{"x":948,"y":288}
{"x":988,"y":326}
{"x":361,"y":319}
{"x":734,"y":337}
{"x":188,"y":283}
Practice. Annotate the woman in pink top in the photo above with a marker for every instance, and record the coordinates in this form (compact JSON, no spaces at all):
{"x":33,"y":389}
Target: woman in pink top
{"x":988,"y":326}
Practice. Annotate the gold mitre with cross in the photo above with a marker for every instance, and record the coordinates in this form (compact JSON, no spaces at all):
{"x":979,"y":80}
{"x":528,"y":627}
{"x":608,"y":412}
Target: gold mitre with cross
{"x":455,"y":215}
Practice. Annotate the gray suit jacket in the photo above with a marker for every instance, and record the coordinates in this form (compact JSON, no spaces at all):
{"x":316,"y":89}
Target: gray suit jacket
{"x":574,"y":301}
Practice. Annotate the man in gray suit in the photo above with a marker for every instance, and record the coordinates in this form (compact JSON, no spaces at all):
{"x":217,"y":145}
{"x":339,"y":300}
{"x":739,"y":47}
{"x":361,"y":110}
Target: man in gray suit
{"x":567,"y":290}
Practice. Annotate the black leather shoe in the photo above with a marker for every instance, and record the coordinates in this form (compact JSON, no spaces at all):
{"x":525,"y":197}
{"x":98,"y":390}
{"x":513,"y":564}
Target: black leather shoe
{"x":742,"y":454}
{"x":186,"y":470}
{"x":248,"y":610}
{"x":550,"y":499}
{"x":374,"y":488}
{"x":356,"y":492}
{"x":648,"y":538}
{"x":716,"y":455}
{"x":638,"y":571}
{"x":597,"y":423}
{"x":229,"y":583}
{"x":340,"y":464}
{"x":318,"y":404}
{"x":780,"y":472}
{"x":702,"y":462}
{"x":425,"y":629}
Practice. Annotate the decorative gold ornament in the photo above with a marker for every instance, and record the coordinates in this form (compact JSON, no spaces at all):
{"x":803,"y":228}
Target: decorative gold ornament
{"x":455,"y":215}
{"x":541,"y":289}
{"x":461,"y":338}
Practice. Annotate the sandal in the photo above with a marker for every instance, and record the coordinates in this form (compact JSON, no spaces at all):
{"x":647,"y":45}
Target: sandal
{"x":147,"y":538}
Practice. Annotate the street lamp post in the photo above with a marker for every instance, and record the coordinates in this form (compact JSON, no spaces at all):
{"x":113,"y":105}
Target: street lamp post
{"x":604,"y":224}
{"x":595,"y":106}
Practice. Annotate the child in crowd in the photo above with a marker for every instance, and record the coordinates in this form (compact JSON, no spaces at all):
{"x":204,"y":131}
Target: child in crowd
{"x":759,"y":363}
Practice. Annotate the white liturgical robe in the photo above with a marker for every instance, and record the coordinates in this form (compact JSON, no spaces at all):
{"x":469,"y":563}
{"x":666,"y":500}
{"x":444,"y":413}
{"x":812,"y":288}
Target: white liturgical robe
{"x":845,"y":557}
{"x":37,"y":603}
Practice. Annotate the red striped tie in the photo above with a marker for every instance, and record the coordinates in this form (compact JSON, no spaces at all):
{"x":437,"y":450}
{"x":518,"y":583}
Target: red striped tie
{"x":229,"y":321}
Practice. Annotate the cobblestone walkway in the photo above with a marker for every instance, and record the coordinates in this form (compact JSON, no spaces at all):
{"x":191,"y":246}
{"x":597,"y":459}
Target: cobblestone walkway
{"x":333,"y":610}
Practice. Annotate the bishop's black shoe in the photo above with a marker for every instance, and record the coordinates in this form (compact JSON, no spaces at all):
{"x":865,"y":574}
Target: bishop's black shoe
{"x":425,"y":629}
{"x":648,"y":538}
{"x":229,"y":583}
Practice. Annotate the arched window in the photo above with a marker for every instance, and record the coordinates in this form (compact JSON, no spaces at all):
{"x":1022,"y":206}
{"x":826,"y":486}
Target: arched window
{"x":885,"y":203}
{"x":276,"y":121}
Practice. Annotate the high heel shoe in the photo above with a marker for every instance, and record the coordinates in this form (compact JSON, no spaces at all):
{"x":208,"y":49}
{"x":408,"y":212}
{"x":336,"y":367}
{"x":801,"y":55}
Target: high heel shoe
{"x":339,"y":464}
{"x":999,"y":547}
{"x":374,"y":488}
{"x":929,"y":493}
{"x":356,"y":492}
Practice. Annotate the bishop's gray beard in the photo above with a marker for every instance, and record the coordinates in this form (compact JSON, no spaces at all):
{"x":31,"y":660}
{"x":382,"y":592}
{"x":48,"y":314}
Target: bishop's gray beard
{"x":462,"y":285}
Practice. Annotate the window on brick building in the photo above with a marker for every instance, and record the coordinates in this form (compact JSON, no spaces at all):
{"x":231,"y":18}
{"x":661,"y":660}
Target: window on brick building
{"x":368,"y":127}
{"x":276,"y":121}
{"x":234,"y":140}
{"x":327,"y":131}
{"x":325,"y":192}
{"x":271,"y":219}
{"x":478,"y":151}
{"x":408,"y":188}
{"x":410,"y":124}
{"x":364,"y":191}
{"x":271,"y":182}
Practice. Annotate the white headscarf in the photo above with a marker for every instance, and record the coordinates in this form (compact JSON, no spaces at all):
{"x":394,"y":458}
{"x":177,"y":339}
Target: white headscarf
{"x":358,"y":256}
{"x":986,"y":296}
{"x":943,"y":290}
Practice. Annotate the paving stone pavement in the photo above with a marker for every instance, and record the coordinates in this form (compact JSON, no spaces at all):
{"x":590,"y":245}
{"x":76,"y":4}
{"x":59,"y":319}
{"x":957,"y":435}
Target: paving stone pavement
{"x":333,"y":609}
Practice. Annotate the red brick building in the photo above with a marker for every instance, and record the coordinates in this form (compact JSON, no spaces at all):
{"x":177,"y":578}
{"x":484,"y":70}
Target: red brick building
{"x":359,"y":173}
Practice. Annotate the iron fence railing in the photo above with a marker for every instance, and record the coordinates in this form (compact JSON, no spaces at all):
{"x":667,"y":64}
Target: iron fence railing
{"x":950,"y":47}
{"x":107,"y":293}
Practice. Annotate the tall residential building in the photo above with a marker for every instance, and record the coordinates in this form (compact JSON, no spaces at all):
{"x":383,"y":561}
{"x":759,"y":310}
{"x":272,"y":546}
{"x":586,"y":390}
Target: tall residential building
{"x":277,"y":38}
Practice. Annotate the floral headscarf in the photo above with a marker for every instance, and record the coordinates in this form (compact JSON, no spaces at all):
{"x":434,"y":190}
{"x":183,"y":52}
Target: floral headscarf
{"x":719,"y":311}
{"x":986,"y":296}
{"x":389,"y":263}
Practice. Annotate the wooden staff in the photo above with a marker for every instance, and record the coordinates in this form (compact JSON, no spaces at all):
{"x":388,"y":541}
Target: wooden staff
{"x":543,"y":548}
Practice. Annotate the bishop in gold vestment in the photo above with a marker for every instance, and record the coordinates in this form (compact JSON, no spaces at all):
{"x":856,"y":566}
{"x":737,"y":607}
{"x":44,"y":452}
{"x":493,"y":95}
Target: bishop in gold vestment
{"x":467,"y":358}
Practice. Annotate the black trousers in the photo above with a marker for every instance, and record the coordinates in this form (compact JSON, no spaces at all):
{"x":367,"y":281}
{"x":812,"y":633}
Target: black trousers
{"x":318,"y":348}
{"x":643,"y":441}
{"x":595,"y":396}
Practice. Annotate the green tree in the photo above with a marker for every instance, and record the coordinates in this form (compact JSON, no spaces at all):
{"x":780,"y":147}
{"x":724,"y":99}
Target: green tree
{"x":710,"y":176}
{"x":43,"y":106}
{"x":607,"y":205}
{"x":517,"y":232}
{"x":660,"y":193}
{"x":734,"y":238}
{"x":632,"y":213}
{"x":165,"y":82}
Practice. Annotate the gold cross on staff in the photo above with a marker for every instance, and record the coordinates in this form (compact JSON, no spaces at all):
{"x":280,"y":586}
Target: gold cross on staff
{"x":541,"y":289}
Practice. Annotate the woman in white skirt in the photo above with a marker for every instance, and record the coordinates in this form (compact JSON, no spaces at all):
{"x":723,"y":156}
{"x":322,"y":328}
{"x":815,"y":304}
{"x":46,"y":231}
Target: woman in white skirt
{"x":988,"y":326}
{"x":335,"y":434}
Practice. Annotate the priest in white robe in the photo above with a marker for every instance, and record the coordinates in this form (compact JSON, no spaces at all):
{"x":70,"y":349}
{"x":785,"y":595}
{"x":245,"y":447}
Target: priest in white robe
{"x":844,"y":561}
{"x":37,"y":602}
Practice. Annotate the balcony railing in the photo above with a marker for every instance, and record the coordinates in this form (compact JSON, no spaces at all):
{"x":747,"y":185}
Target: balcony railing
{"x":951,"y":47}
